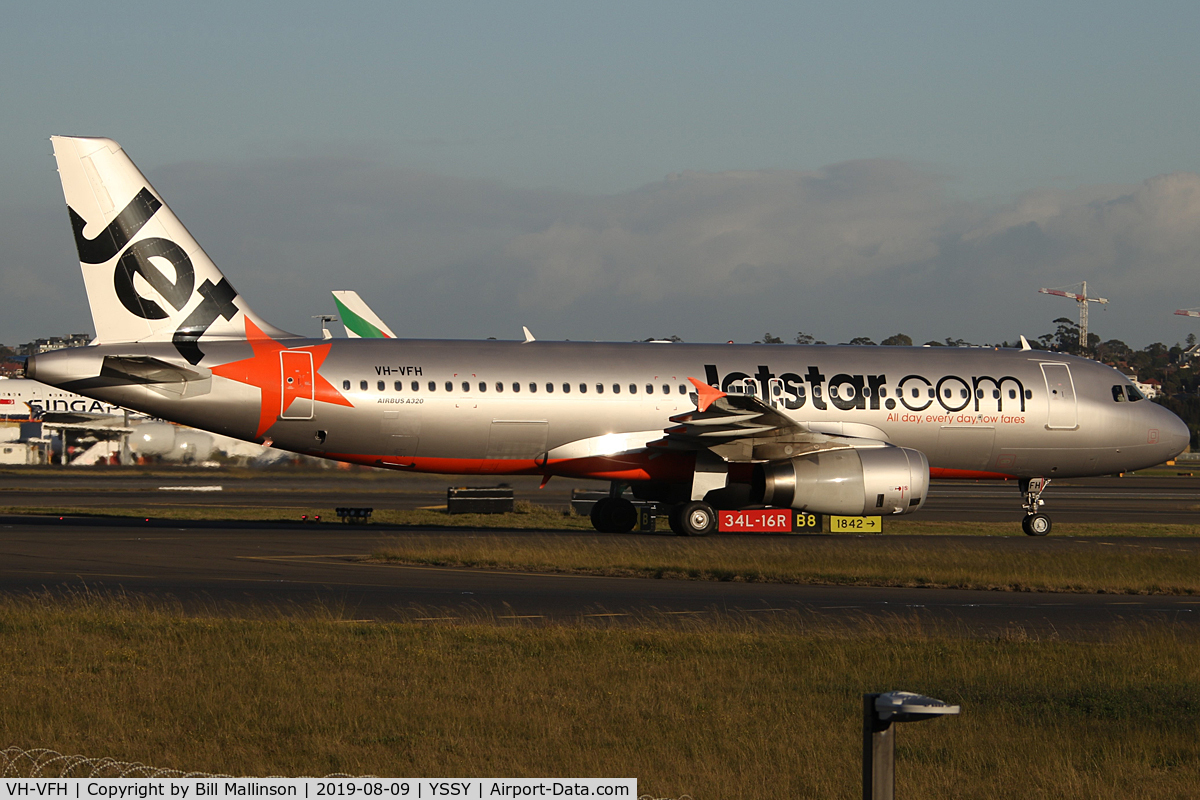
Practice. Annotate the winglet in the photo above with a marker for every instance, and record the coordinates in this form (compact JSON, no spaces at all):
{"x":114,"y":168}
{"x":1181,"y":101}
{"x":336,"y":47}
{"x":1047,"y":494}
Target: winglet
{"x":528,"y":336}
{"x":705,"y":395}
{"x":1025,"y":344}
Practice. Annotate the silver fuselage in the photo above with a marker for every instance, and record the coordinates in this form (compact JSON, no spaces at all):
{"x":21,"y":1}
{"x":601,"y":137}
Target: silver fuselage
{"x":549,"y":407}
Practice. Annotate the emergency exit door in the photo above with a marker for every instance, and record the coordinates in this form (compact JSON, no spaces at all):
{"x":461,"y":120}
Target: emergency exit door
{"x":296,"y":370}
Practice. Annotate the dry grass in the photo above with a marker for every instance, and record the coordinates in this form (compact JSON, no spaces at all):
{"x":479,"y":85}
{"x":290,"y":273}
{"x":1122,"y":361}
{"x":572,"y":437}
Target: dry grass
{"x":526,"y":516}
{"x":723,"y":709}
{"x":1126,"y":567}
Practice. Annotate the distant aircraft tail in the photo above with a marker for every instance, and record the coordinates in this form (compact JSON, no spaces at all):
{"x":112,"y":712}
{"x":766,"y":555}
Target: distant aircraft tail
{"x":360,"y":321}
{"x":147,"y":279}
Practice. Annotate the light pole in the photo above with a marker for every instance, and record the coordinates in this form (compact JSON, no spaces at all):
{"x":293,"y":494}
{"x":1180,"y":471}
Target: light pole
{"x":879,"y":736}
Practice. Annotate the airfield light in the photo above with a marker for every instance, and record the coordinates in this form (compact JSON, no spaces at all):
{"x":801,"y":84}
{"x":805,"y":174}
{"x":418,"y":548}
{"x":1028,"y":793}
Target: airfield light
{"x":880,"y":710}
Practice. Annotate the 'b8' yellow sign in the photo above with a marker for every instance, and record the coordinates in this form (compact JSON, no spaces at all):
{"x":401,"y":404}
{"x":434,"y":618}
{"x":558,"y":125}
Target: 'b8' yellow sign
{"x":856,"y":524}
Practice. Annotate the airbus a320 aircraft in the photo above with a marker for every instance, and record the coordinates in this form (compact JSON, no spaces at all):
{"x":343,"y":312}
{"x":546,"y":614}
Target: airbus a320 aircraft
{"x":837,"y":430}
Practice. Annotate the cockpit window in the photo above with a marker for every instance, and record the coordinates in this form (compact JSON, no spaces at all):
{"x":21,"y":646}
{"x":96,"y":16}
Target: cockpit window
{"x":1133,"y":394}
{"x":1118,"y":393}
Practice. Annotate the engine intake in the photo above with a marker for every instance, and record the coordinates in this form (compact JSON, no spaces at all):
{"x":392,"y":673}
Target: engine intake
{"x":866,"y":482}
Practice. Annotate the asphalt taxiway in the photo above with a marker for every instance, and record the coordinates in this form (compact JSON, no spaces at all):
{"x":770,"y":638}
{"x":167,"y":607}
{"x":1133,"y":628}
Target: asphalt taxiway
{"x":286,"y":568}
{"x":1170,"y":496}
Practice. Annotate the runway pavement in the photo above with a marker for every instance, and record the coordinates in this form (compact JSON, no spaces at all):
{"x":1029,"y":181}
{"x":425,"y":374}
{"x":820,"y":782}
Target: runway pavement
{"x":1162,"y":498}
{"x":237,"y":568}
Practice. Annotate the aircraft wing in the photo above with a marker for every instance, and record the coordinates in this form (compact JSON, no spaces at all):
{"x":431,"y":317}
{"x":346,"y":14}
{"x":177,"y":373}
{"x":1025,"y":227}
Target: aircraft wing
{"x":744,"y":428}
{"x":83,"y":419}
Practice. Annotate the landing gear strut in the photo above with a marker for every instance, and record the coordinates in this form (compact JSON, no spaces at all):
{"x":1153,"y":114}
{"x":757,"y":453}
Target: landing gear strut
{"x":1035,"y":523}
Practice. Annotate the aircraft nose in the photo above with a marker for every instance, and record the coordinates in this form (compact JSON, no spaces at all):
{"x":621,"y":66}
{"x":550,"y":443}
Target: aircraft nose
{"x":1175,"y":433}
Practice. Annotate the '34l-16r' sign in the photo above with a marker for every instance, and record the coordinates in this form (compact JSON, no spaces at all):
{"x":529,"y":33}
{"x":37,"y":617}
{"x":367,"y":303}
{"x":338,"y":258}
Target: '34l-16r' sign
{"x":770,"y":520}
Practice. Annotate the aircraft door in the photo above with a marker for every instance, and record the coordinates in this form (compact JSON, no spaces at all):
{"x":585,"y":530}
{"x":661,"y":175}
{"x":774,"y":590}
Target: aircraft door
{"x":1060,"y":397}
{"x":296,"y":370}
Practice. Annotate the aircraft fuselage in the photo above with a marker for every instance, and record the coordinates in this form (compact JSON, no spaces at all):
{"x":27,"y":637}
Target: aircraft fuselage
{"x":510,"y":407}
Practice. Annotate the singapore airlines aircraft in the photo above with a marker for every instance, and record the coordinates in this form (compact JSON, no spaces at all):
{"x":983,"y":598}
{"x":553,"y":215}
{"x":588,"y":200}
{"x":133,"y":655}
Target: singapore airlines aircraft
{"x":838,"y":430}
{"x":25,"y":399}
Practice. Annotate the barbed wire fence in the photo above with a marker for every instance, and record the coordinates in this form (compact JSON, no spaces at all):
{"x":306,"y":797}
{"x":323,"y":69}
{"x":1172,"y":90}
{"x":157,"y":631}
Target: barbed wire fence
{"x":16,"y":762}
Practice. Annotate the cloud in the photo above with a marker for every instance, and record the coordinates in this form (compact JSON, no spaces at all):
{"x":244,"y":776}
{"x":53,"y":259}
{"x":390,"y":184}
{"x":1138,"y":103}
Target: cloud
{"x":861,"y":248}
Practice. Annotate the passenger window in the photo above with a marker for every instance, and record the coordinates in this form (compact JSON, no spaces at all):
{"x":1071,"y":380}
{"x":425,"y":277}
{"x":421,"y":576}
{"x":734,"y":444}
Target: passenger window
{"x":649,"y":388}
{"x":1028,"y":394}
{"x":433,"y":386}
{"x":583,"y":388}
{"x":932,"y":393}
{"x":466,"y":386}
{"x":616,"y":388}
{"x":599,"y":388}
{"x":549,"y":388}
{"x":1118,"y":394}
{"x":1012,"y":394}
{"x":566,"y":388}
{"x":533,"y":387}
{"x":682,"y":389}
{"x":362,"y":386}
{"x":883,"y":391}
{"x":399,"y":386}
{"x":345,"y":386}
{"x":516,"y":386}
{"x":449,"y":386}
{"x":946,"y":393}
{"x":916,"y":393}
{"x":833,"y":391}
{"x":633,"y":388}
{"x":380,"y":386}
{"x":995,"y":394}
{"x":666,"y":389}
{"x":416,"y":387}
{"x":499,"y":386}
{"x":962,"y":393}
{"x":866,"y":391}
{"x":800,"y":391}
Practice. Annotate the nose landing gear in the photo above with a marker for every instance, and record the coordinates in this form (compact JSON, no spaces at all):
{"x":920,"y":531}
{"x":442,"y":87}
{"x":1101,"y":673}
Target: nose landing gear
{"x":696,"y":518}
{"x":1035,"y":522}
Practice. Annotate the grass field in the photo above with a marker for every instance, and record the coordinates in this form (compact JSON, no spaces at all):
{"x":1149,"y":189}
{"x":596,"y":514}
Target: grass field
{"x":909,"y":554}
{"x":713,"y":710}
{"x":1126,"y":566}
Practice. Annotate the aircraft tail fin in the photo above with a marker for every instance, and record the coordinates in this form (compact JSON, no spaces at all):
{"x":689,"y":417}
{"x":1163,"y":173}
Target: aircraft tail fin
{"x":360,"y":321}
{"x":147,"y":279}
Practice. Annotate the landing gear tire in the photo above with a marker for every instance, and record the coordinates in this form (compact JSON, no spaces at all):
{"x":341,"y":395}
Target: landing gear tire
{"x":1036,"y":525}
{"x":614,"y":515}
{"x":696,"y":518}
{"x":673,"y":521}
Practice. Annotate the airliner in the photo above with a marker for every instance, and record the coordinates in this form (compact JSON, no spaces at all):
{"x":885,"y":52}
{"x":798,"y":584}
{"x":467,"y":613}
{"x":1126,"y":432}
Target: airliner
{"x":845,"y":430}
{"x":21,"y":398}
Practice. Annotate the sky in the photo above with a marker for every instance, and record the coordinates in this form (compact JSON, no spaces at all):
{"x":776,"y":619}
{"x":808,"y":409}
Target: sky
{"x":618,"y":171}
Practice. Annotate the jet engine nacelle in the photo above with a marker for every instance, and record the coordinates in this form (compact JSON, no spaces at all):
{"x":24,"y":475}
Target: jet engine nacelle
{"x":854,"y":482}
{"x":170,"y":441}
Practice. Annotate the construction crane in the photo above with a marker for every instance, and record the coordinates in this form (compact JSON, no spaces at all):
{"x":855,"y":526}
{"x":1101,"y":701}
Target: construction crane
{"x":1082,"y":299}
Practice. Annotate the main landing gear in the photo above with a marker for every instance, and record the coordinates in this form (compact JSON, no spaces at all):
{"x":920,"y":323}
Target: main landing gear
{"x":1035,"y":523}
{"x":614,"y":514}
